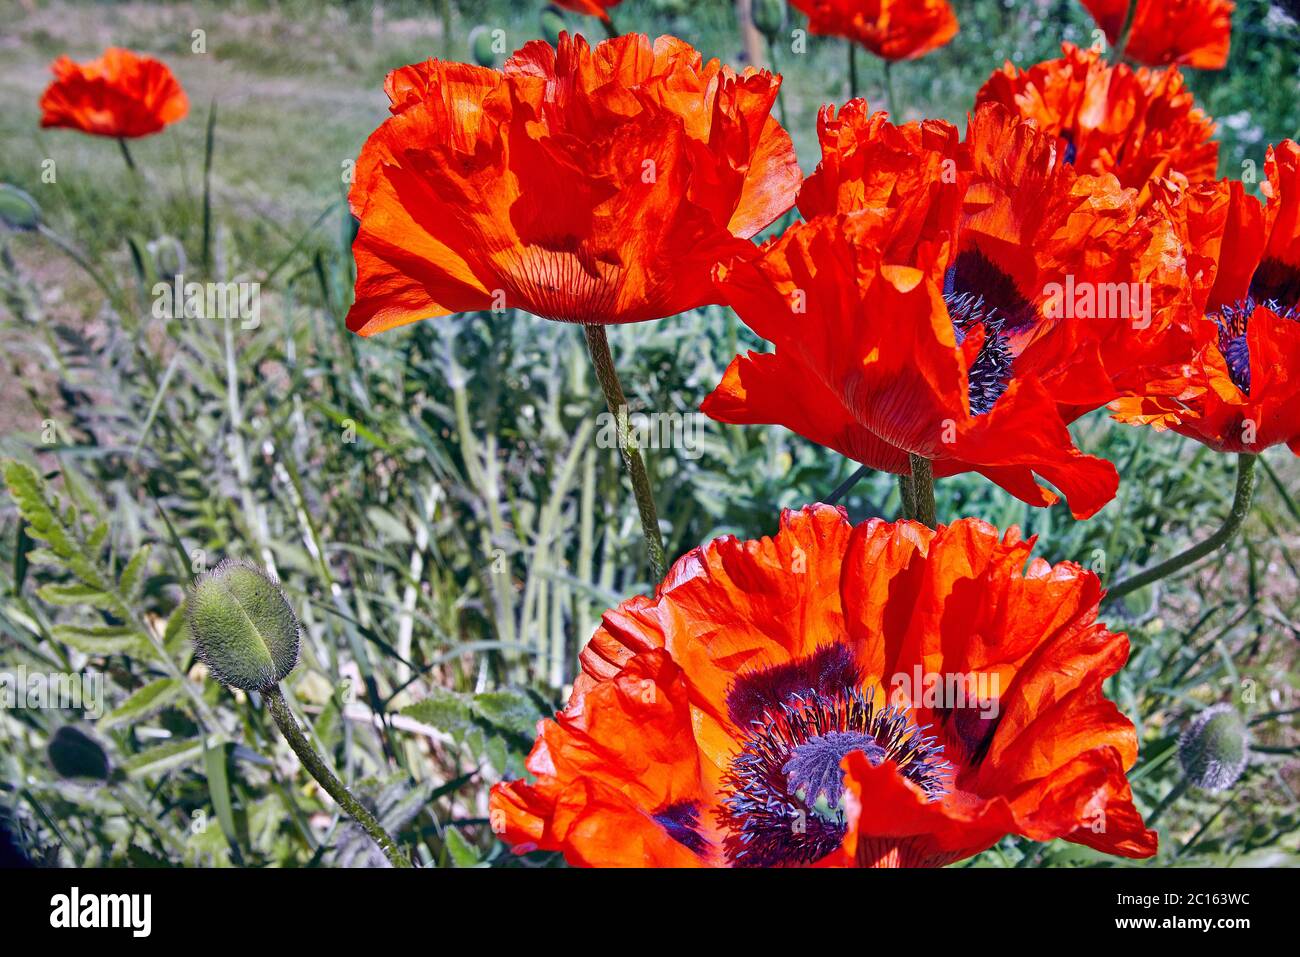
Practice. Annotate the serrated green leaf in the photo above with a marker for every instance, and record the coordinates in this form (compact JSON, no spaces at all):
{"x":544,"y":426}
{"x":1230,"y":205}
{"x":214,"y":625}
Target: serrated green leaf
{"x":148,"y":700}
{"x":43,"y":556}
{"x":445,"y":710}
{"x":511,"y":711}
{"x":461,"y":852}
{"x":95,"y":540}
{"x":77,"y":595}
{"x":100,"y":639}
{"x":28,"y":492}
{"x":176,"y":635}
{"x":133,"y":575}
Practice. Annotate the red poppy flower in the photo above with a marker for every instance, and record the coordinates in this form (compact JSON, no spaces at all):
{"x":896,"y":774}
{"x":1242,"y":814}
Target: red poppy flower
{"x":1139,"y":125}
{"x":1191,"y":32}
{"x":594,"y":186}
{"x":592,"y":8}
{"x":121,"y":94}
{"x":932,"y":304}
{"x":1239,"y":391}
{"x":879,"y":695}
{"x":893,"y":29}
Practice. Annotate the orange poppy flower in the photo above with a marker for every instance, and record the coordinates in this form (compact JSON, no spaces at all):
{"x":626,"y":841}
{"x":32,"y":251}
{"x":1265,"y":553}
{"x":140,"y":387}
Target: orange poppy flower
{"x":934,"y":304}
{"x":593,"y":186}
{"x":892,"y":29}
{"x":1195,"y":33}
{"x":879,"y":695}
{"x":121,"y":94}
{"x":592,"y":8}
{"x":1139,"y":125}
{"x":1240,"y":389}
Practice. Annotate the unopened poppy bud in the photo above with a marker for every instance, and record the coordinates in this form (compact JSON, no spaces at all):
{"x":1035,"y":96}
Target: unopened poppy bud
{"x":17,"y":209}
{"x":1214,"y":747}
{"x":768,"y":15}
{"x":75,"y":754}
{"x":552,"y":26}
{"x":243,"y":627}
{"x":480,"y":45}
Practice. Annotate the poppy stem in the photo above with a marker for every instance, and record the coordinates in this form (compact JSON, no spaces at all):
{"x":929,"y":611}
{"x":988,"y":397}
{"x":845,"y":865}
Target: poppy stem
{"x":853,"y":71}
{"x":844,"y":487}
{"x":336,"y":789}
{"x":895,"y":109}
{"x":1177,"y":791}
{"x":780,"y":95}
{"x":907,"y":497}
{"x":922,"y":490}
{"x":611,"y":31}
{"x":1121,"y":41}
{"x":598,"y":347}
{"x":1240,"y":507}
{"x":126,"y":155}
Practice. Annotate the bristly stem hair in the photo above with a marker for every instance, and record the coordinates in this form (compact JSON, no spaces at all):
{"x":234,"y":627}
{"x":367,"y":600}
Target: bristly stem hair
{"x":336,"y":789}
{"x":922,"y":490}
{"x":598,"y":347}
{"x":1240,"y":507}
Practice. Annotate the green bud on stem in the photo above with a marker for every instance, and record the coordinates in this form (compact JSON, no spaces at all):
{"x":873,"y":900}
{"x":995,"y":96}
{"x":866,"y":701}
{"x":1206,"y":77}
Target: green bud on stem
{"x":1214,"y":748}
{"x":243,"y":627}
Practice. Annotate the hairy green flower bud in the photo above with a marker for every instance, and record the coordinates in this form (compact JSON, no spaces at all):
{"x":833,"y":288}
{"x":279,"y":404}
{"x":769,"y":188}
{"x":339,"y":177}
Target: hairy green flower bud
{"x":552,"y":24}
{"x":1214,"y":747}
{"x":76,"y":754}
{"x":768,"y":16}
{"x":17,"y":209}
{"x":243,"y":627}
{"x":480,"y":46}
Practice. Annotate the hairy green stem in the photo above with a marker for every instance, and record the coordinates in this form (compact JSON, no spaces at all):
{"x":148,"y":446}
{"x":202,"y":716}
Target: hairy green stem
{"x":895,"y":109}
{"x":1121,"y":41}
{"x":1240,"y":507}
{"x":853,"y":70}
{"x":906,"y":497}
{"x":844,"y":487}
{"x":336,"y":789}
{"x":126,"y":155}
{"x":780,"y":96}
{"x":598,"y":347}
{"x":922,"y":490}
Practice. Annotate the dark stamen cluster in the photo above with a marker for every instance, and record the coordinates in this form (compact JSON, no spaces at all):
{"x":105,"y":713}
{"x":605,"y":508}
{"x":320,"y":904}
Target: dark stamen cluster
{"x":1233,"y":322}
{"x":990,"y":373}
{"x":785,"y":789}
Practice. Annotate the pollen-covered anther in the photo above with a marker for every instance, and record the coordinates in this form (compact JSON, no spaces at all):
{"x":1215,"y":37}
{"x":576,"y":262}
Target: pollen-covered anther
{"x":784,"y":800}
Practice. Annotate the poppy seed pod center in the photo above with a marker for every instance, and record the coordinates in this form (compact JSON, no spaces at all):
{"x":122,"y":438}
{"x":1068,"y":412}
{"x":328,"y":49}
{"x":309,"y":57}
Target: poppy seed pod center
{"x":784,"y":799}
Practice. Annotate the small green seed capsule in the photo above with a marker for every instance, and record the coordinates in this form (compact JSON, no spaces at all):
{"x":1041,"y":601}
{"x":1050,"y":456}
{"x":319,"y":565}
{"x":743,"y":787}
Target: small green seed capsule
{"x":768,"y":16}
{"x":482,"y":46}
{"x":76,"y":754}
{"x":243,"y":627}
{"x":1214,"y":748}
{"x":17,"y":209}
